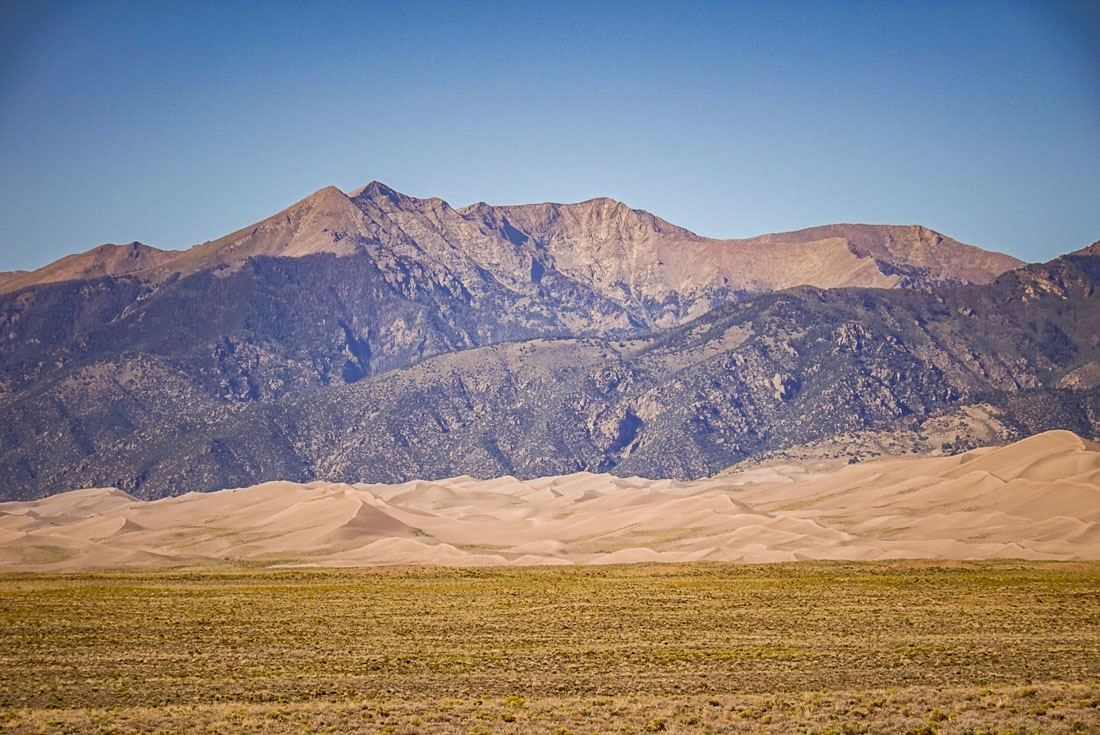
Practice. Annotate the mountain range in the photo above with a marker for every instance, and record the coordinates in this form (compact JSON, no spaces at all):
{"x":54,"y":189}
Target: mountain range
{"x":657,"y":273}
{"x":379,"y":337}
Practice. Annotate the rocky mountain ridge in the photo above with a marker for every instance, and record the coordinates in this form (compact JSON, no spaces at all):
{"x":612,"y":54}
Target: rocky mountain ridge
{"x":100,"y":261}
{"x":660,"y":274}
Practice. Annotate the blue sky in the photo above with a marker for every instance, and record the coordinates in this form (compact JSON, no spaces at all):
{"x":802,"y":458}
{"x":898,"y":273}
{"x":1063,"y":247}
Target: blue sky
{"x":175,"y":123}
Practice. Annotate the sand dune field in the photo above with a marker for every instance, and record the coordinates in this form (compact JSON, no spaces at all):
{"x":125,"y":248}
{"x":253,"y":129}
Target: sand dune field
{"x":1036,"y":499}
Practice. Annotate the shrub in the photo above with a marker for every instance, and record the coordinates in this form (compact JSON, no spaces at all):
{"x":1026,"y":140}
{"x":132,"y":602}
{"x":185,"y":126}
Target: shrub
{"x":926,"y":730}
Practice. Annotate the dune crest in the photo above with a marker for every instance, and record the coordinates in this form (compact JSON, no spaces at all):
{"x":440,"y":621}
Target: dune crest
{"x":1037,"y":499}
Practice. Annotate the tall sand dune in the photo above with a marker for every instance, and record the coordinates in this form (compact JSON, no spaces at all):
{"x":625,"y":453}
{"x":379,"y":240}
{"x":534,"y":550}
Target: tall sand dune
{"x":1036,"y":499}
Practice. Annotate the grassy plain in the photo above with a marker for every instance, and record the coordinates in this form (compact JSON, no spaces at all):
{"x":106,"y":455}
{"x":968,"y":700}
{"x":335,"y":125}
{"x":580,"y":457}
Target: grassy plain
{"x":989,"y":648}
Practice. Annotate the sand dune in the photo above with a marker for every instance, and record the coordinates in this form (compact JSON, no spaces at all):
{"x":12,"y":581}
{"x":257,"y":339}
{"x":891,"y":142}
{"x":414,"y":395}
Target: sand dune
{"x":1036,"y":499}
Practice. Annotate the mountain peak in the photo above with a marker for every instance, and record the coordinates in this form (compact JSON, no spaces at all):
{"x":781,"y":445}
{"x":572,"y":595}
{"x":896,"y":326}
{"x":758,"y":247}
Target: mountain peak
{"x":376,"y":190}
{"x":326,"y":191}
{"x":325,"y":198}
{"x":1093,"y":249}
{"x":108,"y":259}
{"x":605,"y":202}
{"x":130,"y":249}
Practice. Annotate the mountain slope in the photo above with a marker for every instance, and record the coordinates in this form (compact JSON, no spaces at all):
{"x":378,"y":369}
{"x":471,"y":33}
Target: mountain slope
{"x":104,"y":260}
{"x":634,"y":257}
{"x":276,"y":326}
{"x":774,"y":372}
{"x":915,"y":254}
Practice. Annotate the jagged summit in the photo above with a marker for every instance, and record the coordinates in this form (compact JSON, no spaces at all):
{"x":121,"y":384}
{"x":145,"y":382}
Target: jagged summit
{"x":375,"y":190}
{"x":661,"y":271}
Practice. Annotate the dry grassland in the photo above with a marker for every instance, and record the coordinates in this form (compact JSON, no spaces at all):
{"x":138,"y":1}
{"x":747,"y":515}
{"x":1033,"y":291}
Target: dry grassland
{"x":989,"y":648}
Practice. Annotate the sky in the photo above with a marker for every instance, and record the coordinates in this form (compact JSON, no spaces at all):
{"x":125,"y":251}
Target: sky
{"x":176,"y":123}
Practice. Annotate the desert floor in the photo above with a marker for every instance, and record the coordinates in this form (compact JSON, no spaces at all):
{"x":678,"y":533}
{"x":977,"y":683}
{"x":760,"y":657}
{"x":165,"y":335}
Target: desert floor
{"x":807,"y":647}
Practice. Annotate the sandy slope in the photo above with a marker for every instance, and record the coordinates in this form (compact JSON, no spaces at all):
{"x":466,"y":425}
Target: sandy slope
{"x":1036,"y":499}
